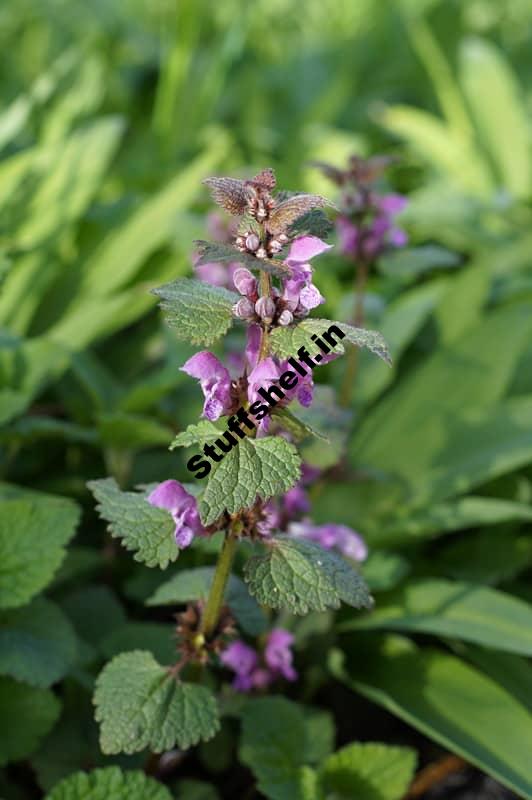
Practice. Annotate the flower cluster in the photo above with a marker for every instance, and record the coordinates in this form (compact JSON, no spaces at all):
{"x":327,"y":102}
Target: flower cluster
{"x":254,"y":670}
{"x":366,"y":224}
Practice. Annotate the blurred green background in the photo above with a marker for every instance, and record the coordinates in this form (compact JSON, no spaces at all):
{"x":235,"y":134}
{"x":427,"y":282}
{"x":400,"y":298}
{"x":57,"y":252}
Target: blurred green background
{"x":112,"y":112}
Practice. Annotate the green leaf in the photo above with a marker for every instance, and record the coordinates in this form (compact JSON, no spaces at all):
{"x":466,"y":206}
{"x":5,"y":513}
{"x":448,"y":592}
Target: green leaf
{"x":256,"y":467}
{"x":26,"y":714}
{"x":37,"y":643}
{"x":301,"y":576}
{"x":199,"y":313}
{"x":448,"y":701}
{"x":194,"y":584}
{"x":33,"y":535}
{"x":450,"y":444}
{"x":368,"y":772}
{"x":325,"y":414}
{"x":457,"y":610}
{"x":225,"y":253}
{"x":498,"y":111}
{"x":299,"y":429}
{"x":200,"y":432}
{"x":139,"y":704}
{"x":94,"y":611}
{"x":285,"y":342}
{"x":383,"y":570}
{"x":109,"y":783}
{"x":146,"y":530}
{"x":313,"y":223}
{"x":486,"y":556}
{"x":273,"y":746}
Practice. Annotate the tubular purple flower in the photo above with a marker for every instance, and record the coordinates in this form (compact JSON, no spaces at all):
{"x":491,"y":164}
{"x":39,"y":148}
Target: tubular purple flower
{"x":242,"y":660}
{"x":262,"y":376}
{"x":183,"y":507}
{"x":310,"y":298}
{"x":254,"y":335}
{"x":278,"y":653}
{"x":296,"y":502}
{"x":215,"y":382}
{"x":301,"y":251}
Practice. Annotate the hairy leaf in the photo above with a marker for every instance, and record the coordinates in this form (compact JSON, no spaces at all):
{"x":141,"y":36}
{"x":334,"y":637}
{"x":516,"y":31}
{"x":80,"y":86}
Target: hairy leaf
{"x":146,"y":530}
{"x":213,"y":251}
{"x":256,"y":467}
{"x":301,"y":576}
{"x":229,"y":193}
{"x":290,"y":210}
{"x":285,"y":342}
{"x":313,"y":223}
{"x":33,"y":535}
{"x":199,"y":312}
{"x":198,"y":433}
{"x":139,"y":704}
{"x":37,"y":643}
{"x":27,"y":715}
{"x":109,"y":783}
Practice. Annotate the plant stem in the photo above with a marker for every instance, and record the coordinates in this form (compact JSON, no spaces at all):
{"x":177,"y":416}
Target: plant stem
{"x":211,"y":613}
{"x":265,"y":291}
{"x":348,"y":383}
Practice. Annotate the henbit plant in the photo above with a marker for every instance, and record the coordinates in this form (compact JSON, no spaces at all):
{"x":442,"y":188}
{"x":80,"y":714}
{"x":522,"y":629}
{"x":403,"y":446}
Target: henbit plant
{"x":366,"y":229}
{"x":254,"y":498}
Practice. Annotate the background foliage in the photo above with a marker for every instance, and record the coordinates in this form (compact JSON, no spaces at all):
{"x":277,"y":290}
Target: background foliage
{"x":112,"y":113}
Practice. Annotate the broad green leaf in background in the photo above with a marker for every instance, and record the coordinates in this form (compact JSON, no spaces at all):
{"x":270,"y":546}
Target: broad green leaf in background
{"x":198,"y":312}
{"x":273,"y":746}
{"x":301,"y":576}
{"x":156,"y":637}
{"x":146,"y":530}
{"x":448,"y":701}
{"x":367,"y":772}
{"x":110,"y":783}
{"x":194,"y":584}
{"x":263,"y":467}
{"x":132,"y":431}
{"x":33,"y":535}
{"x":498,"y":111}
{"x":37,"y":643}
{"x":26,"y":716}
{"x":417,"y":418}
{"x":458,"y":610}
{"x":285,"y":342}
{"x":140,"y":705}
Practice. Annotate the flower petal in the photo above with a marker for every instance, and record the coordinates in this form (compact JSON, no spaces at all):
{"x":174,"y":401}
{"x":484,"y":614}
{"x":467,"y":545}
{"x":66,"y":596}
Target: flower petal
{"x":304,"y":248}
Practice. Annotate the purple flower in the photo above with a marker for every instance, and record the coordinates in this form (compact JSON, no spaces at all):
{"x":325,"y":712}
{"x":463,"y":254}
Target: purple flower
{"x":304,"y":248}
{"x":263,"y":375}
{"x":348,"y":234}
{"x":392,"y":204}
{"x":173,"y":497}
{"x":254,"y":336}
{"x":215,"y":382}
{"x":242,"y":660}
{"x":296,"y":502}
{"x":347,"y":541}
{"x":278,"y":654}
{"x":377,"y":232}
{"x":252,"y":672}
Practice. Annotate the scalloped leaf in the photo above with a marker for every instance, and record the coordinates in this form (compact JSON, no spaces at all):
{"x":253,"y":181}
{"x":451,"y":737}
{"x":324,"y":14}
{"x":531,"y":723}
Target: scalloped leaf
{"x":33,"y":535}
{"x":145,"y":529}
{"x":139,"y":704}
{"x":199,"y":433}
{"x":301,"y":576}
{"x":285,"y":342}
{"x":256,"y":467}
{"x":200,"y":313}
{"x":213,"y":251}
{"x":110,"y":783}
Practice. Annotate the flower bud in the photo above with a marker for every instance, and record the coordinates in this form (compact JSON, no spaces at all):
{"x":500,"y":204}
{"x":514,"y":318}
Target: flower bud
{"x":285,"y":317}
{"x":252,"y":242}
{"x":283,"y":238}
{"x":261,"y":253}
{"x":310,"y":297}
{"x":265,"y":308}
{"x":275,"y":246}
{"x":245,"y":282}
{"x":244,"y":309}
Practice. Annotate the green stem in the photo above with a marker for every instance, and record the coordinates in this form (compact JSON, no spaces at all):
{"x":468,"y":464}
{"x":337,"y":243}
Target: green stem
{"x":351,"y":366}
{"x":211,"y":613}
{"x":265,"y":291}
